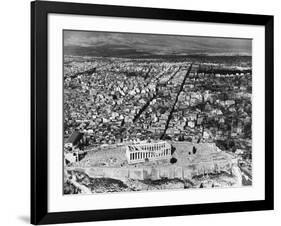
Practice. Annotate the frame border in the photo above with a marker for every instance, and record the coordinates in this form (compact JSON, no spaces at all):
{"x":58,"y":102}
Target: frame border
{"x":39,"y":112}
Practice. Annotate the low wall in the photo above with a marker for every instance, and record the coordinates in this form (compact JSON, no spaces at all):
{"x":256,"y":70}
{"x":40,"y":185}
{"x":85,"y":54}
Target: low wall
{"x":156,"y":172}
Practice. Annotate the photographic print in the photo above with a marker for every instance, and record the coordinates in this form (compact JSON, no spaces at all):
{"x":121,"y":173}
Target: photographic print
{"x":147,"y":112}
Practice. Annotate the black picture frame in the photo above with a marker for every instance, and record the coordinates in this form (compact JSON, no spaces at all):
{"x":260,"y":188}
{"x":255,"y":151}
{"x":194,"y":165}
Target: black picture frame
{"x":39,"y":112}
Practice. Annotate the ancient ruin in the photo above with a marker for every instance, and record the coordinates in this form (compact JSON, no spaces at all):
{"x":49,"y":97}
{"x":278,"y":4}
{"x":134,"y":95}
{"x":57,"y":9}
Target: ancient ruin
{"x":142,"y":152}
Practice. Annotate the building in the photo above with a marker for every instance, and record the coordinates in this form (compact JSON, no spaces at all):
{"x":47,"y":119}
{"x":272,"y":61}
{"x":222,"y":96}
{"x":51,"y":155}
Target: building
{"x":73,"y":140}
{"x":143,"y":152}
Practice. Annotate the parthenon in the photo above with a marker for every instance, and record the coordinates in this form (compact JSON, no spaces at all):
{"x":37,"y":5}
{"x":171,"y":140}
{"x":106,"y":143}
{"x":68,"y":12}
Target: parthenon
{"x":136,"y":153}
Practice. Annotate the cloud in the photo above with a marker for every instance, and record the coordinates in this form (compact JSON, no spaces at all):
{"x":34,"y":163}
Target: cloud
{"x":153,"y":43}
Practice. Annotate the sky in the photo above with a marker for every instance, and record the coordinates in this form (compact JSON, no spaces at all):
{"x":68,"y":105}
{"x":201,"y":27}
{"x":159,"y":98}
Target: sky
{"x":93,"y":43}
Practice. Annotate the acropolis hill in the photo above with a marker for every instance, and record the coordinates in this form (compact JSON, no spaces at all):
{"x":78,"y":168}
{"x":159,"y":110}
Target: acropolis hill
{"x":182,"y":161}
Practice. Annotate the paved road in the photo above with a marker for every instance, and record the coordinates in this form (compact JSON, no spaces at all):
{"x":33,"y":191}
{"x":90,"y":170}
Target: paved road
{"x":176,"y":100}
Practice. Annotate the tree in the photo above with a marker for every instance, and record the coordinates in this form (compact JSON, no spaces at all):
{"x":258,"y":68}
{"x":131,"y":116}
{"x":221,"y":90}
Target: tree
{"x":173,"y":160}
{"x":194,"y":150}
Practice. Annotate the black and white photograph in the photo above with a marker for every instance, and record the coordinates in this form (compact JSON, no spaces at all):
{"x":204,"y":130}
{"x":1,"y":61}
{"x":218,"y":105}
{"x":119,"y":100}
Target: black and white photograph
{"x":123,"y":113}
{"x":151,"y":112}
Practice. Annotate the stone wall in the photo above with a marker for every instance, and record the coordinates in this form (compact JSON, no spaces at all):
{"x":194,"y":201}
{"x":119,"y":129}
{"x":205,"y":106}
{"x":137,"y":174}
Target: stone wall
{"x":157,"y":172}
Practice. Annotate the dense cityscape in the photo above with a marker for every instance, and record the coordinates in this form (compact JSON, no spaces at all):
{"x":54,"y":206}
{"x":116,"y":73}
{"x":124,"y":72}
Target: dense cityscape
{"x":199,"y":98}
{"x":123,"y":100}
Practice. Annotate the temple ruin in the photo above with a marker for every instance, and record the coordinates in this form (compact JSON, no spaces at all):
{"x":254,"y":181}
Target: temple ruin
{"x":137,"y":153}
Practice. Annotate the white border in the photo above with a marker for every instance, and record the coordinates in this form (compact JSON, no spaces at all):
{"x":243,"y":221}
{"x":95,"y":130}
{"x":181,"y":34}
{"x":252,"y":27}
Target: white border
{"x":57,"y":202}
